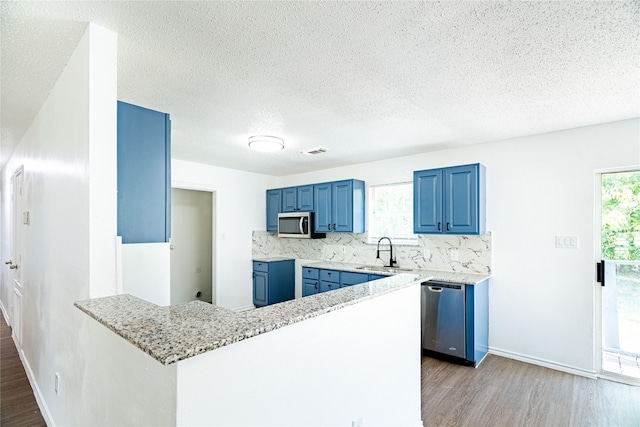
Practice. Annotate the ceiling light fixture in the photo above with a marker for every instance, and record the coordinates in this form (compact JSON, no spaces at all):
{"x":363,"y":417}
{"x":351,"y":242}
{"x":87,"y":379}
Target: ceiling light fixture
{"x":266,"y":143}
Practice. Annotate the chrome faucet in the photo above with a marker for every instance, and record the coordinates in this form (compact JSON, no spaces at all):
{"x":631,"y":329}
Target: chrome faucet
{"x":392,"y":261}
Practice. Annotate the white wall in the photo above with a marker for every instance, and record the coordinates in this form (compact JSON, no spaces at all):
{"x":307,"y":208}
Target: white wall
{"x":68,"y":154}
{"x":362,"y":360}
{"x":146,"y":271}
{"x":122,"y":385}
{"x":541,"y":298}
{"x":240,"y":209}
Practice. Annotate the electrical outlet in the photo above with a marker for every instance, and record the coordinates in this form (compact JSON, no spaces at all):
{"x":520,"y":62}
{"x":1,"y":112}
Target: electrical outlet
{"x":357,"y":422}
{"x":56,"y":384}
{"x":344,"y":249}
{"x":454,"y":254}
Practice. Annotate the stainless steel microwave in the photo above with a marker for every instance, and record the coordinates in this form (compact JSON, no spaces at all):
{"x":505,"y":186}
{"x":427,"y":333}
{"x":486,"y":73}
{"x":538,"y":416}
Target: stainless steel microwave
{"x":297,"y":224}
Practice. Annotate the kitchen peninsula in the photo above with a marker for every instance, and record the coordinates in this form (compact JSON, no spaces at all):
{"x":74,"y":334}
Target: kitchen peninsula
{"x":268,"y":366}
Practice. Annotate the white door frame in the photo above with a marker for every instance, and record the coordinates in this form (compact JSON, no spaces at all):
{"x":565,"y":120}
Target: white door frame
{"x":597,"y":292}
{"x":184,"y":185}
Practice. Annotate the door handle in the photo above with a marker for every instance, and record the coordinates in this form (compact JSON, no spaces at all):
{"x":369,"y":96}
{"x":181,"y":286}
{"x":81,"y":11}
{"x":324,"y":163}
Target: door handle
{"x":301,"y":225}
{"x":8,"y":262}
{"x":13,"y":266}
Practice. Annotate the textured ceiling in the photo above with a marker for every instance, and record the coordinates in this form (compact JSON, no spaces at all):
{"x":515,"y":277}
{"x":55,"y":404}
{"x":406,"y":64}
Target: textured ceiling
{"x":367,"y":80}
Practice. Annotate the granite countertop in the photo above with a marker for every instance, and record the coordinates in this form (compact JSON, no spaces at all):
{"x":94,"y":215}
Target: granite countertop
{"x":273,"y":259}
{"x":437,"y":275}
{"x":173,"y":333}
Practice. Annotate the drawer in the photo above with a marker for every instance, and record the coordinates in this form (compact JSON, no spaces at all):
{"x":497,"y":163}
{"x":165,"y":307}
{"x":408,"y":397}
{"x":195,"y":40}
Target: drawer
{"x":310,"y":273}
{"x":261,"y":266}
{"x":348,"y":278}
{"x":330,"y":276}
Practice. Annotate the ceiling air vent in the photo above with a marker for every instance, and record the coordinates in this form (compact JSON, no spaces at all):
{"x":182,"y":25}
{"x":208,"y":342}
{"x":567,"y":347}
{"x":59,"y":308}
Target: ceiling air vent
{"x":315,"y":150}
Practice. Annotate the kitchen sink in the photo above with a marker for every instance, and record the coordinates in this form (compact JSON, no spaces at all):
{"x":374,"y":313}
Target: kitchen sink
{"x":383,"y":269}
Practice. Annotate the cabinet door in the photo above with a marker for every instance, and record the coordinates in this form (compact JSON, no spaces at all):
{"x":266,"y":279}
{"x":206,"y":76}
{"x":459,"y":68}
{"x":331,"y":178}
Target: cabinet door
{"x":322,"y":203}
{"x":461,"y":199}
{"x":289,"y":199}
{"x":342,"y":206}
{"x":260,"y":288}
{"x":144,"y":174}
{"x":274,"y":202}
{"x":305,"y":198}
{"x":310,"y":287}
{"x":427,"y":201}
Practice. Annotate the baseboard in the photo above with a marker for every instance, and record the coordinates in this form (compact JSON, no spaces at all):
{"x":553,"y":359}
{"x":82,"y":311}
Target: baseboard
{"x":245,"y":308}
{"x":623,"y":379}
{"x":543,"y":363}
{"x":44,"y":409}
{"x":5,"y":314}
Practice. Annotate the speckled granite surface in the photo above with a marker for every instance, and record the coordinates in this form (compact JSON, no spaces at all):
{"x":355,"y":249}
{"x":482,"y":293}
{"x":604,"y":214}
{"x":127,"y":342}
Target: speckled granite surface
{"x":272,"y":259}
{"x":443,"y":276}
{"x":173,"y":333}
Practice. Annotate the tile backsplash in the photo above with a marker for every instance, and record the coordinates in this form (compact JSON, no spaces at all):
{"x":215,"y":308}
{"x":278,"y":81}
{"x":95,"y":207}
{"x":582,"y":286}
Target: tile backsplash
{"x":432,"y":252}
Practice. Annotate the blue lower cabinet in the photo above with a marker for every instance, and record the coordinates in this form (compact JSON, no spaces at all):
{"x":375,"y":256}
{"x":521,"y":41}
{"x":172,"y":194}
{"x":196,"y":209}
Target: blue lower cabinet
{"x":477,"y":321}
{"x":373,"y":277}
{"x":273,"y":282}
{"x":329,"y":280}
{"x":348,"y":278}
{"x":260,"y":288}
{"x":328,"y":286}
{"x":310,"y":287}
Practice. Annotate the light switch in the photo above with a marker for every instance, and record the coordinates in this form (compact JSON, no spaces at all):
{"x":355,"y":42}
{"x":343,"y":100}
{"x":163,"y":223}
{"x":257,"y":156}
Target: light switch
{"x":567,"y":242}
{"x":25,"y":218}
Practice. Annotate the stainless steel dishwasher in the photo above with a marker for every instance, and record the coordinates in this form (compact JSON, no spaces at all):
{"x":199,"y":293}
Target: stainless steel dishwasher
{"x":443,"y":318}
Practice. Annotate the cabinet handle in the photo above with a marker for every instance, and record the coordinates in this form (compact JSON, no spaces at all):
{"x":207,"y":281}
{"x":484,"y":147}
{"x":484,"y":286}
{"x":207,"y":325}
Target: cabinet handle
{"x":315,"y":285}
{"x":447,"y":226}
{"x":334,"y":226}
{"x":439,"y":228}
{"x":329,"y":227}
{"x":254,"y":275}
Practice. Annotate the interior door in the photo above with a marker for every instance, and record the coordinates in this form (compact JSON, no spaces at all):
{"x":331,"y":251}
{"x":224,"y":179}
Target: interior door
{"x":18,"y":219}
{"x":619,"y":275}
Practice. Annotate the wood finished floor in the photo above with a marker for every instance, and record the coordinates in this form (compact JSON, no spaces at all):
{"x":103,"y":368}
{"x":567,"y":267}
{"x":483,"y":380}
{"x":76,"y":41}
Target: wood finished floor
{"x":18,"y":405}
{"x":506,"y":392}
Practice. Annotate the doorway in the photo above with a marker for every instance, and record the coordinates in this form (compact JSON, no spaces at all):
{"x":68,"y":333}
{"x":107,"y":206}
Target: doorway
{"x":620,"y":272}
{"x":192,"y":249}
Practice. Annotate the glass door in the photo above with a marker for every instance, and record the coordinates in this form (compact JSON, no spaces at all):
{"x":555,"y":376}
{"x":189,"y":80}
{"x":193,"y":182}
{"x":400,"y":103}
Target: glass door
{"x":619,"y":274}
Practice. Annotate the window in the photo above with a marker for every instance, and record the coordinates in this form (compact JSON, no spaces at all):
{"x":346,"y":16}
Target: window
{"x":391,"y":213}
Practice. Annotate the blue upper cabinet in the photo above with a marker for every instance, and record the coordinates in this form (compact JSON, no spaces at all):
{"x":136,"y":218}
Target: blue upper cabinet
{"x":322,"y":203}
{"x":339,"y":206}
{"x":289,"y":199}
{"x":450,"y":200}
{"x":305,"y":198}
{"x":427,"y":201}
{"x":144,"y":174}
{"x":297,"y":199}
{"x":274,"y":206}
